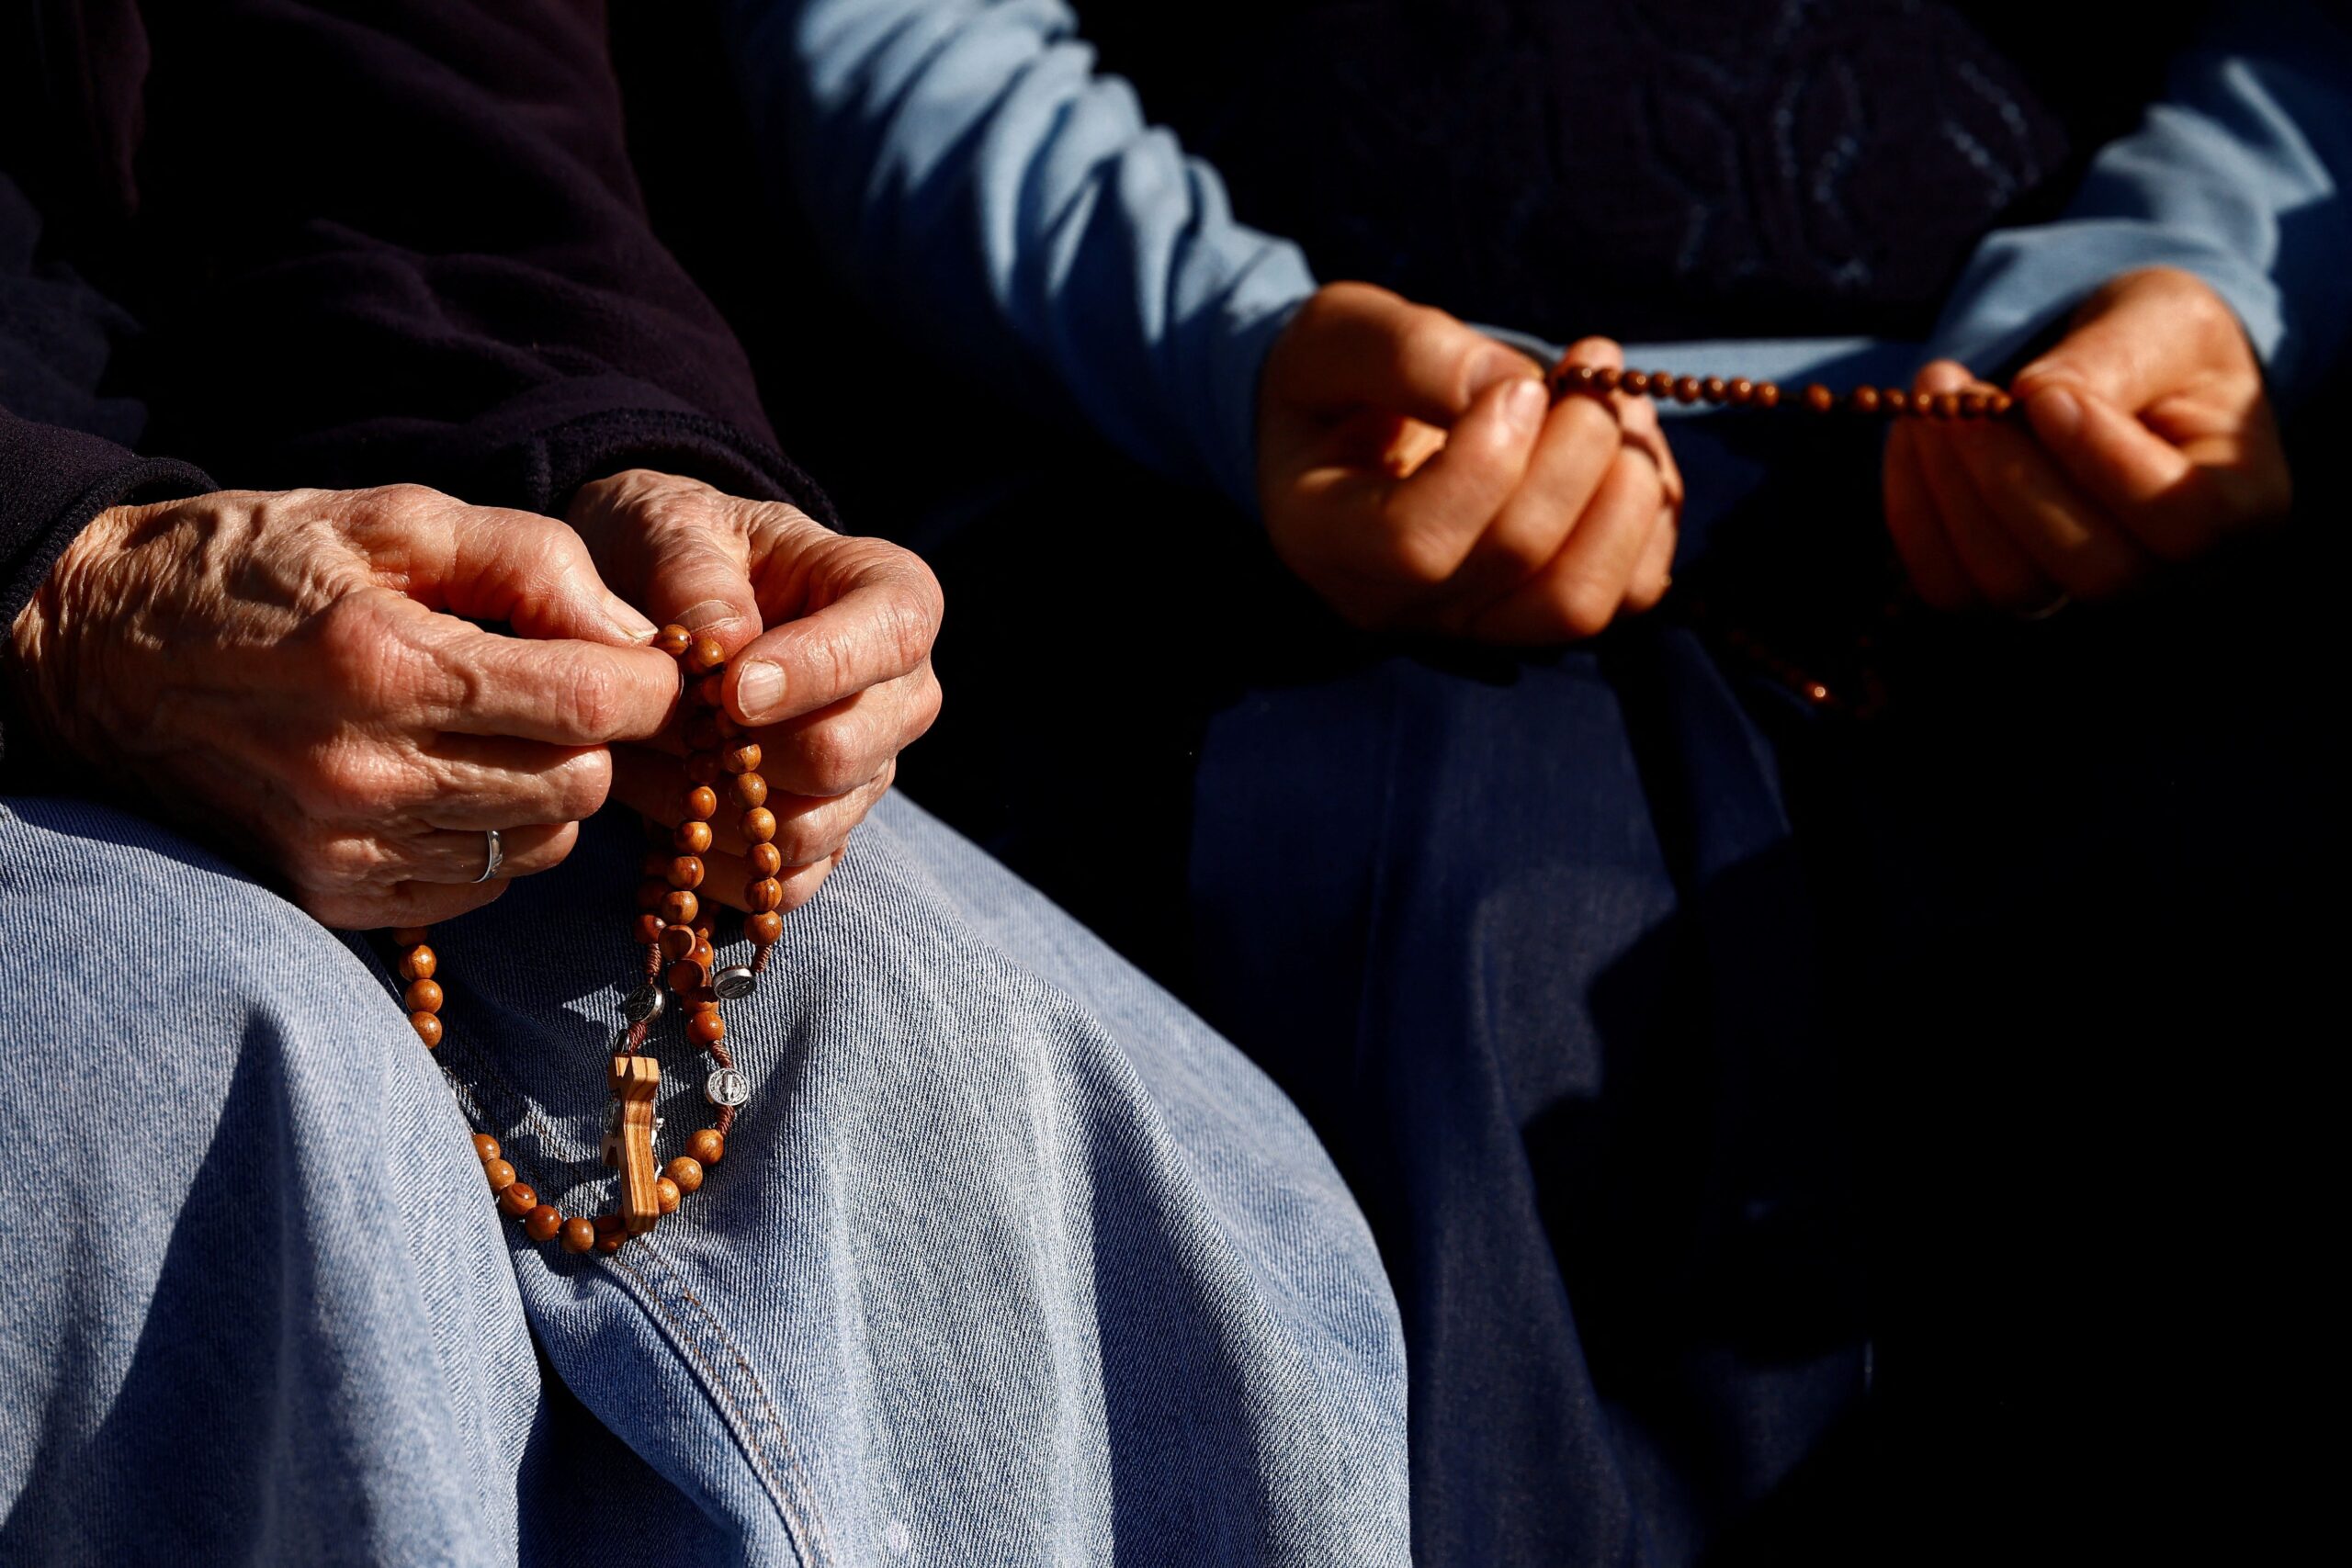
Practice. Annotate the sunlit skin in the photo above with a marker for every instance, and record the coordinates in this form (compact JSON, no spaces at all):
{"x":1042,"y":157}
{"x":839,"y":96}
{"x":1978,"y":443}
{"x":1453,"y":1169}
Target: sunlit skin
{"x":1413,"y":471}
{"x":2148,"y":440}
{"x":1410,"y":472}
{"x":297,"y":675}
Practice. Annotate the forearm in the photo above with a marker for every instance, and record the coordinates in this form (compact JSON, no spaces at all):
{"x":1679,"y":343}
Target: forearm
{"x":52,"y":482}
{"x":972,"y":171}
{"x":2238,"y":177}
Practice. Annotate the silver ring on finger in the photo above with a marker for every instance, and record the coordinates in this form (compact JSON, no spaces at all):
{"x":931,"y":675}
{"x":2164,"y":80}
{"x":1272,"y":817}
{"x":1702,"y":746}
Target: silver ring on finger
{"x":494,"y":854}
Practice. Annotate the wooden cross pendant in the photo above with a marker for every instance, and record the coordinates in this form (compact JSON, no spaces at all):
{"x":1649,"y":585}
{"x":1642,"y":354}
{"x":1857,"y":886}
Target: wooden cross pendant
{"x":635,"y":1081}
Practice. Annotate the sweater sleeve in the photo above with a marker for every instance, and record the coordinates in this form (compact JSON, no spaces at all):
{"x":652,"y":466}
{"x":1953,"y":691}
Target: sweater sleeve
{"x":2239,"y":175}
{"x":405,"y":244}
{"x":970,"y":169}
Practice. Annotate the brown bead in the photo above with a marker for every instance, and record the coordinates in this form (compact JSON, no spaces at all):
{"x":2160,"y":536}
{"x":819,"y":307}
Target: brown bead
{"x":686,"y":1171}
{"x":650,"y":892}
{"x":711,"y":689}
{"x":428,"y":1027}
{"x":764,"y":928}
{"x":1972,"y":405}
{"x":692,"y":838}
{"x":408,"y":936}
{"x":766,"y":859}
{"x":1819,"y":398}
{"x":485,"y":1148}
{"x":1864,"y":399}
{"x":578,"y":1236}
{"x":751,"y":789}
{"x":1686,"y":389}
{"x":1897,"y":399}
{"x":765,"y":894}
{"x":1767,"y":394}
{"x":678,"y":942}
{"x":683,"y":871}
{"x":518,"y":1200}
{"x":740,"y":759}
{"x":649,"y":928}
{"x":1741,"y":392}
{"x":758,"y":824}
{"x":701,"y":802}
{"x":666,"y":1196}
{"x":418,"y":963}
{"x":674,"y":640}
{"x":703,"y":768}
{"x":1606,"y":378}
{"x":1637,"y":382}
{"x":1998,"y":404}
{"x":706,"y":655}
{"x":707,"y":1146}
{"x":702,"y":732}
{"x":703,"y":954}
{"x":542,"y":1223}
{"x":1714,"y":388}
{"x":680,"y":907}
{"x":687,"y":975}
{"x":501,"y":1174}
{"x":424,"y":995}
{"x":706,"y":1027}
{"x":611,"y":1231}
{"x":1576,"y":378}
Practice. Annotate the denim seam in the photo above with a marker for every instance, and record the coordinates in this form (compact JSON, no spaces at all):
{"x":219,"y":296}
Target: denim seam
{"x":805,"y":1539}
{"x":812,"y":1541}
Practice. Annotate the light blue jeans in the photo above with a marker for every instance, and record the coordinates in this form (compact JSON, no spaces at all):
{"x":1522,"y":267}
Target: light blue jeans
{"x":1010,"y":1259}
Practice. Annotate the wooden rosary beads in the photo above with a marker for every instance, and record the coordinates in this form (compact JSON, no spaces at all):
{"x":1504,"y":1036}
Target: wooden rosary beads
{"x":1741,"y":392}
{"x":675,"y":930}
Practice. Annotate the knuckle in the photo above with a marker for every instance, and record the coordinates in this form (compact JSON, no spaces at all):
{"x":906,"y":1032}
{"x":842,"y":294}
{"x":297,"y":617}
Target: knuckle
{"x":1424,"y":336}
{"x":1585,"y":606}
{"x":805,"y":838}
{"x":348,"y":777}
{"x":830,"y":760}
{"x":593,"y":702}
{"x":582,"y":784}
{"x":1420,"y":556}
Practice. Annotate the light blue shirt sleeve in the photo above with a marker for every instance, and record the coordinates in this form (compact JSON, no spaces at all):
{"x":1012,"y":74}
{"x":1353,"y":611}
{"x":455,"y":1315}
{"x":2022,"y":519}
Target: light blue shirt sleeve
{"x":969,"y":169}
{"x":2241,"y":174}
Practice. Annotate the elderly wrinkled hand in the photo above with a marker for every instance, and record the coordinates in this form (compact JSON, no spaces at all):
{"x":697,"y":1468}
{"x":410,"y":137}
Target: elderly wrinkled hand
{"x":296,"y":673}
{"x":2150,"y":440}
{"x":829,"y":641}
{"x":1414,"y":473}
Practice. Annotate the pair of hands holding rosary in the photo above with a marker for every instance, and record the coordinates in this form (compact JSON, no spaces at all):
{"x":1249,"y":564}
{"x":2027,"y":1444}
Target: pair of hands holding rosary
{"x":1417,"y":475}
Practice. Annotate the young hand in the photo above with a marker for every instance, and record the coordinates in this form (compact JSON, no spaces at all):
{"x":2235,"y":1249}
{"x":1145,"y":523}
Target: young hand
{"x":2149,"y":440}
{"x":1415,"y":474}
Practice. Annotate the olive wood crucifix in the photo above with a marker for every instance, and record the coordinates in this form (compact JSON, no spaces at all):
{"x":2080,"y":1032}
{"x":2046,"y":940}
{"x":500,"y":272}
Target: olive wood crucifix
{"x":635,"y":1081}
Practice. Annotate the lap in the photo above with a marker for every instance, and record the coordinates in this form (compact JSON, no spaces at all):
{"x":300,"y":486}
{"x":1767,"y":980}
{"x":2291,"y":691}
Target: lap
{"x":1010,"y":1254}
{"x":242,"y":1272}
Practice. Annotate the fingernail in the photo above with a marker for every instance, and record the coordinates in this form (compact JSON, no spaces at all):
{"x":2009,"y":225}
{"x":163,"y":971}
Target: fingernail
{"x":1523,"y":405}
{"x":626,"y":620}
{"x":2056,"y":412}
{"x":709,"y":615}
{"x":759,"y":690}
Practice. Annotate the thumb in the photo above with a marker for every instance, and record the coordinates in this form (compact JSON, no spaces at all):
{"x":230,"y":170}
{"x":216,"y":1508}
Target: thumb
{"x":533,"y":573}
{"x":2140,"y":337}
{"x":1353,"y":345}
{"x":701,"y":578}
